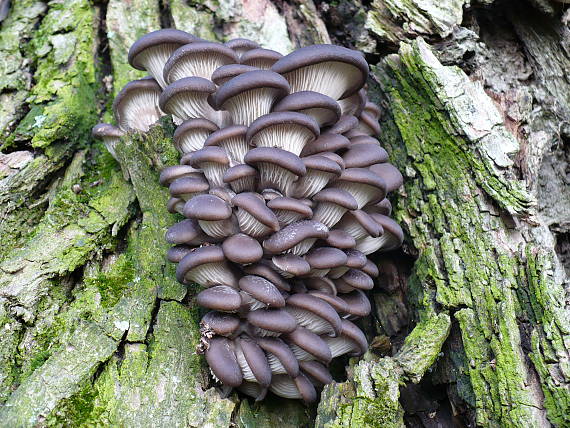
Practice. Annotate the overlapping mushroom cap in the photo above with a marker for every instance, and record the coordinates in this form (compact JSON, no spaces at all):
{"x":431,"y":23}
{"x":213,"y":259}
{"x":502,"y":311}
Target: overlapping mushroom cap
{"x":283,"y":186}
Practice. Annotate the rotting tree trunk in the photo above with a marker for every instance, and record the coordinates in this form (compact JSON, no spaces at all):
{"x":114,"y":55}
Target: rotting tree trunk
{"x":471,"y":321}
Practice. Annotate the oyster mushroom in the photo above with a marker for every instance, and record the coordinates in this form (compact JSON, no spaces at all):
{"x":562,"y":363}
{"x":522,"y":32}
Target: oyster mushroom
{"x":250,"y":95}
{"x":213,"y":161}
{"x":223,"y":362}
{"x":219,"y":298}
{"x":240,"y":45}
{"x":320,"y":170}
{"x":354,"y":260}
{"x":243,"y":249}
{"x":314,"y":314}
{"x":345,"y":124}
{"x":151,"y":51}
{"x":391,"y":239}
{"x":191,"y":134}
{"x":350,"y":341}
{"x":383,"y":207}
{"x":171,"y":173}
{"x":324,"y":110}
{"x":371,"y":268}
{"x":338,"y":238}
{"x":136,"y":106}
{"x":232,"y":140}
{"x":257,"y":292}
{"x":364,"y":155}
{"x":241,"y":178}
{"x":296,"y":238}
{"x":290,"y":265}
{"x":307,"y":345}
{"x":357,"y":304}
{"x":359,"y":225}
{"x":271,"y":322}
{"x":186,"y":232}
{"x":176,"y":253}
{"x":110,"y":135}
{"x":175,"y":205}
{"x":333,"y":203}
{"x":389,"y":174}
{"x":254,"y":218}
{"x":289,"y":210}
{"x":252,"y":361}
{"x":220,"y":323}
{"x":325,"y":143}
{"x":207,"y":266}
{"x":280,"y":357}
{"x":364,"y":185}
{"x":298,"y":388}
{"x":355,"y":278}
{"x":331,"y":70}
{"x":198,"y":59}
{"x":367,"y":124}
{"x":227,"y":72}
{"x":214,"y":215}
{"x":265,"y":271}
{"x":353,"y":105}
{"x":316,"y":372}
{"x":187,"y":187}
{"x":260,"y":58}
{"x":323,"y":259}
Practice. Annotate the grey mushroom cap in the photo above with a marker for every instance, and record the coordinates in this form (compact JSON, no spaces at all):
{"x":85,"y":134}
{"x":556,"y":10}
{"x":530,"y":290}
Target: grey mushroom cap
{"x":279,"y":157}
{"x":357,"y":303}
{"x":248,"y":81}
{"x":317,"y":372}
{"x":239,"y":171}
{"x":293,"y":234}
{"x":321,"y":284}
{"x":207,"y":154}
{"x":369,"y":123}
{"x":337,"y":196}
{"x":268,"y":273}
{"x":390,"y":227}
{"x":344,"y":125}
{"x":241,"y":45}
{"x":198,"y":50}
{"x":185,"y":185}
{"x":376,"y":186}
{"x":325,"y":143}
{"x":187,"y":85}
{"x":317,"y":307}
{"x":227,"y":72}
{"x":352,"y":332}
{"x":291,"y":264}
{"x":390,"y":174}
{"x":316,"y":54}
{"x":256,"y":360}
{"x":383,"y":207}
{"x":234,"y":131}
{"x":105,"y":130}
{"x":365,"y":220}
{"x":255,"y":206}
{"x":144,"y":115}
{"x":185,"y":232}
{"x":290,"y":204}
{"x":321,"y":163}
{"x":263,"y":290}
{"x":220,"y":323}
{"x":357,"y":279}
{"x":219,"y":298}
{"x":223,"y":362}
{"x":335,"y":301}
{"x":340,"y":239}
{"x":200,"y":256}
{"x":177,"y":253}
{"x":310,"y":343}
{"x":370,"y":268}
{"x":353,"y":105}
{"x":168,"y":36}
{"x":171,"y":173}
{"x":306,"y":101}
{"x":325,"y":258}
{"x":260,"y":58}
{"x":355,"y":259}
{"x":275,"y":320}
{"x":207,"y":207}
{"x":282,"y":352}
{"x":363,"y":155}
{"x":364,"y":139}
{"x":243,"y":249}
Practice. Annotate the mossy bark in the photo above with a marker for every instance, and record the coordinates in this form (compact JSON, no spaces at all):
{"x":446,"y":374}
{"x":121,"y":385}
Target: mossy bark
{"x":471,"y":321}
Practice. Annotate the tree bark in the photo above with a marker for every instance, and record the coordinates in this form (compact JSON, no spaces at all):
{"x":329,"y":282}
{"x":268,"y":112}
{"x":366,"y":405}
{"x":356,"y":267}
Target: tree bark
{"x":471,"y":323}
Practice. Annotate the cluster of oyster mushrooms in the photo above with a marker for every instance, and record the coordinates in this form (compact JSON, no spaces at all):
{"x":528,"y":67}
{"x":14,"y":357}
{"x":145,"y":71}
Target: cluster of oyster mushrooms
{"x":283,"y":188}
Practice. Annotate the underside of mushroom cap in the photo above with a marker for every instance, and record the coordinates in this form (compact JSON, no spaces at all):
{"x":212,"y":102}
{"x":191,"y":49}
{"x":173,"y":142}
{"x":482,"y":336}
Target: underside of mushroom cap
{"x":289,"y":210}
{"x":213,"y":161}
{"x":241,"y":178}
{"x":307,"y":345}
{"x":276,"y":349}
{"x":353,"y":105}
{"x":363,"y":184}
{"x":136,"y":106}
{"x":328,"y":69}
{"x":255,"y":218}
{"x":110,"y":135}
{"x":187,"y":98}
{"x":232,"y":140}
{"x":351,"y":341}
{"x":299,"y":388}
{"x":323,"y":109}
{"x":278,"y":168}
{"x":325,"y":143}
{"x":206,"y":266}
{"x":190,"y":135}
{"x":197,"y":59}
{"x":389,"y":174}
{"x":314,"y":314}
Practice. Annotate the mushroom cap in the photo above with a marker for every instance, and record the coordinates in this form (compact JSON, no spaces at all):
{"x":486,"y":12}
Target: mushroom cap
{"x":253,"y":56}
{"x":254,"y":204}
{"x":336,"y":302}
{"x":207,"y":154}
{"x":390,"y":174}
{"x":344,"y":124}
{"x":317,"y":372}
{"x":256,"y":360}
{"x":352,"y":332}
{"x":315,"y":54}
{"x":390,"y":227}
{"x":363,"y":139}
{"x":168,"y":36}
{"x":281,"y":118}
{"x":310,"y":343}
{"x":219,"y":298}
{"x":383,"y":207}
{"x":325,"y":258}
{"x":321,"y":163}
{"x":188,"y":85}
{"x":373,"y":109}
{"x":207,"y":207}
{"x":365,"y":220}
{"x":305,"y":100}
{"x":358,"y":279}
{"x":171,"y":173}
{"x":354,"y":104}
{"x":316,"y":306}
{"x":176,"y":253}
{"x":337,"y":196}
{"x":263,"y":290}
{"x":321,"y":284}
{"x":282,"y":352}
{"x":355,"y":259}
{"x":185,"y":185}
{"x":268,"y":273}
{"x":299,"y":387}
{"x":357,"y":303}
{"x":248,"y":81}
{"x":326,"y":143}
{"x":363,"y":155}
{"x":370,"y":121}
{"x":370,"y":268}
{"x":185,"y":232}
{"x":241,"y":248}
{"x":290,"y":204}
{"x":226,"y":72}
{"x":222,"y":193}
{"x":279,"y":157}
{"x":105,"y":130}
{"x":223,"y":362}
{"x":197,"y":49}
{"x":237,"y":172}
{"x":175,"y":205}
{"x":200,"y":256}
{"x":293,"y":234}
{"x":221,"y":323}
{"x":276,"y":320}
{"x":191,"y":125}
{"x":241,"y":44}
{"x":364,"y":176}
{"x":146,"y":84}
{"x":340,"y":239}
{"x":334,"y":157}
{"x":233,"y":131}
{"x":292,"y":264}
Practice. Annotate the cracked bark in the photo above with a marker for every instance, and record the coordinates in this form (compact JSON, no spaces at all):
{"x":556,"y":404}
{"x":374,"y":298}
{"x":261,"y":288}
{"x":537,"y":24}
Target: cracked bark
{"x":471,"y":324}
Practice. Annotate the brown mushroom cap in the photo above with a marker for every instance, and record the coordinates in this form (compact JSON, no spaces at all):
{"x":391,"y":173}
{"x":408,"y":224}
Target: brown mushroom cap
{"x":207,"y":207}
{"x":358,"y":222}
{"x":192,"y":133}
{"x":241,"y":248}
{"x":325,"y":143}
{"x":219,"y":298}
{"x":338,"y":197}
{"x":188,"y":185}
{"x":391,"y":239}
{"x":263,"y":290}
{"x":105,"y":130}
{"x":322,"y":108}
{"x":357,"y":279}
{"x":336,"y":302}
{"x":355,"y":259}
{"x":171,"y":173}
{"x":293,"y":234}
{"x":185,"y":232}
{"x":383,"y":207}
{"x":365,"y":186}
{"x":357,"y":303}
{"x":232,"y":140}
{"x":197,"y":59}
{"x":207,"y":154}
{"x":310,"y":343}
{"x":254,"y":358}
{"x":317,"y":372}
{"x":301,"y":304}
{"x":227,"y":72}
{"x":351,"y":341}
{"x":220,"y":323}
{"x":176,"y":253}
{"x":291,"y":265}
{"x":322,"y":164}
{"x":239,"y":171}
{"x":282,"y":352}
{"x":368,"y":124}
{"x":268,"y":273}
{"x":223,"y":362}
{"x":325,"y":258}
{"x":274,"y":320}
{"x":253,"y":204}
{"x":136,"y":106}
{"x":284,"y":203}
{"x":363,"y":155}
{"x":389,"y":174}
{"x":344,"y":125}
{"x":340,"y":239}
{"x":320,"y":283}
{"x":370,"y":268}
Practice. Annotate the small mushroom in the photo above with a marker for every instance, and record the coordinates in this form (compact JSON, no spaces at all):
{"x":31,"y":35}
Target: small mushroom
{"x":271,"y":322}
{"x":176,"y":253}
{"x":359,"y":225}
{"x":354,"y":260}
{"x":370,"y":268}
{"x":353,"y":105}
{"x":355,"y":278}
{"x":351,"y":341}
{"x":223,"y":362}
{"x":265,"y":271}
{"x":297,"y":388}
{"x":364,"y":155}
{"x":254,"y":217}
{"x":260,"y":58}
{"x":320,"y":170}
{"x":252,"y":361}
{"x":220,"y":298}
{"x":324,"y":110}
{"x":240,"y":45}
{"x":214,"y":215}
{"x":326,"y":143}
{"x":308,"y":346}
{"x":289,"y":265}
{"x":220,"y":323}
{"x":171,"y":173}
{"x":110,"y":135}
{"x":320,"y":284}
{"x":207,"y":266}
{"x":338,"y":238}
{"x":285,"y":130}
{"x":367,"y":124}
{"x":187,"y":187}
{"x":345,"y":124}
{"x":323,"y":259}
{"x":296,"y":238}
{"x":136,"y":106}
{"x":391,"y":239}
{"x":316,"y":372}
{"x":191,"y":134}
{"x":389,"y":174}
{"x":333,"y":203}
{"x":278,"y":169}
{"x":331,"y":70}
{"x":314,"y":314}
{"x":227,"y":72}
{"x":357,"y":303}
{"x":250,"y":95}
{"x":232,"y":140}
{"x":175,"y":205}
{"x":289,"y":210}
{"x":198,"y":59}
{"x":212,"y":160}
{"x":151,"y":51}
{"x":241,"y":178}
{"x":280,"y":357}
{"x":243,"y":249}
{"x":186,"y":232}
{"x":364,"y":185}
{"x":383,"y":207}
{"x":257,"y":292}
{"x":335,"y":301}
{"x":254,"y":390}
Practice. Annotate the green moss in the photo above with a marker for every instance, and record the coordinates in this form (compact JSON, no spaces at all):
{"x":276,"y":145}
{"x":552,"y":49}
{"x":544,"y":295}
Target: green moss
{"x":75,"y":411}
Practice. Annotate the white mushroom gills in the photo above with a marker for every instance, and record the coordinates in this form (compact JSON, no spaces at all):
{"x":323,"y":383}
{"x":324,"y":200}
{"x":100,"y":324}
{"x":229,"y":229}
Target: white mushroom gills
{"x":328,"y":213}
{"x":198,"y":64}
{"x":250,"y":225}
{"x":214,"y":173}
{"x":192,"y":105}
{"x":363,"y":193}
{"x":329,"y":78}
{"x":216,"y":228}
{"x":244,"y":366}
{"x":339,"y":345}
{"x":192,"y":140}
{"x":310,"y":184}
{"x":285,"y":387}
{"x":210,"y":274}
{"x":142,"y":111}
{"x":311,"y":321}
{"x":153,"y":59}
{"x":289,"y":137}
{"x":244,"y":108}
